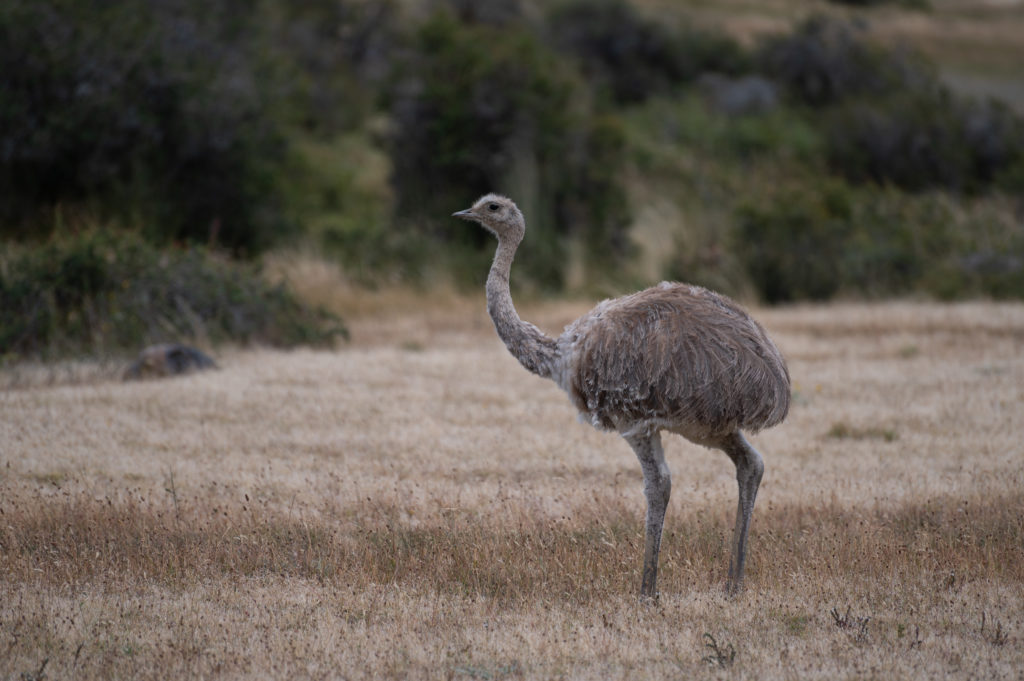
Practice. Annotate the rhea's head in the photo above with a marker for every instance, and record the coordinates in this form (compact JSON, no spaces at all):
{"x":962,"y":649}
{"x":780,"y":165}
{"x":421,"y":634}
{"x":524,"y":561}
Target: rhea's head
{"x":498,"y":214}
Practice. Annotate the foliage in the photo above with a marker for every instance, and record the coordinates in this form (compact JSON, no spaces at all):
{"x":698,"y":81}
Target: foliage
{"x":886,"y":116}
{"x":153,"y":113}
{"x":357,"y":127}
{"x":628,"y":57}
{"x":492,"y":13}
{"x":923,"y":140}
{"x":812,"y":241}
{"x":790,"y":246}
{"x":338,"y":188}
{"x":481,"y":109}
{"x":113,"y":292}
{"x":336,"y":57}
{"x":825,"y":61}
{"x":688,"y":124}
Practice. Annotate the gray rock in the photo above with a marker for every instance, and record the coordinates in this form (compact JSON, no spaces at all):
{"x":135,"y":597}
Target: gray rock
{"x":167,"y":359}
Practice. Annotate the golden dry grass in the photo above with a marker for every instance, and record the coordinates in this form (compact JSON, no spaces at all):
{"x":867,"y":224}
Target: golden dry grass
{"x":416,"y":505}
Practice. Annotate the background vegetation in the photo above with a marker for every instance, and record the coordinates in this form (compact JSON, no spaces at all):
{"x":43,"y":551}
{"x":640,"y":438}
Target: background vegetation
{"x":90,"y":292}
{"x":813,"y":159}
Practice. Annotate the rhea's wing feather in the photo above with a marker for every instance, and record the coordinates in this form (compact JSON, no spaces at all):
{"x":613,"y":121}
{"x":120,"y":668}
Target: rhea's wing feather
{"x":678,"y":355}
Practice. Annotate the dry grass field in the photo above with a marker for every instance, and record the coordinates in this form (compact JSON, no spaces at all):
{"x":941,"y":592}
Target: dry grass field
{"x":415,"y":505}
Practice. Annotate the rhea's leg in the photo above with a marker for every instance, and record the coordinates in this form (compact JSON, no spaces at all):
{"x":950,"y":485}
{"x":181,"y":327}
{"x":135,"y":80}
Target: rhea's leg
{"x":749,"y":469}
{"x":657,"y":488}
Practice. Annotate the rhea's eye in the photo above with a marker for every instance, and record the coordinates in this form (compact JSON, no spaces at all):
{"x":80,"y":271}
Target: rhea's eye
{"x":492,"y":207}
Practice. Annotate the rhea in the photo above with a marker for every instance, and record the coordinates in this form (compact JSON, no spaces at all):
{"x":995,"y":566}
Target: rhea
{"x":673,"y":357}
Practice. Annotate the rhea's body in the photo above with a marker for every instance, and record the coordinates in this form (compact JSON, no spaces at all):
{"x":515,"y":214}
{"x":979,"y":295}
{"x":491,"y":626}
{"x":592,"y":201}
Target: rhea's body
{"x":672,"y":357}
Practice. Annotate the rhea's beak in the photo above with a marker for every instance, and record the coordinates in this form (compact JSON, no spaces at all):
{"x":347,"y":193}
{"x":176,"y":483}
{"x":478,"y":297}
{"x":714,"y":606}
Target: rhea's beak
{"x":464,"y":214}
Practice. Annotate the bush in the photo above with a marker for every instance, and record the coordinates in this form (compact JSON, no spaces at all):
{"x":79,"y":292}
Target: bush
{"x":921,"y":141}
{"x":815,"y":240}
{"x":825,"y":61}
{"x":108,"y":292}
{"x":995,"y":136}
{"x":792,"y":244}
{"x":695,"y":127}
{"x":907,"y":140}
{"x":481,"y":109}
{"x":894,"y":243}
{"x":591,"y":202}
{"x":493,"y":12}
{"x":628,"y":58}
{"x":155,"y":114}
{"x":988,"y":258}
{"x":885,"y":116}
{"x":336,"y":55}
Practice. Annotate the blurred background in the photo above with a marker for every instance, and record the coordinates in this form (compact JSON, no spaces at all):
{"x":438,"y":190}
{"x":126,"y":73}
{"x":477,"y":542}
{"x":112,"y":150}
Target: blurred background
{"x":190,"y":170}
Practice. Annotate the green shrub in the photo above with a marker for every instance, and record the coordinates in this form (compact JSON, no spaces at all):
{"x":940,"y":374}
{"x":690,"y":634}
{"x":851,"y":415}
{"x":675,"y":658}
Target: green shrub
{"x":479,"y":108}
{"x":825,"y":61}
{"x":694,"y":127}
{"x":886,"y":118}
{"x":818,"y":239}
{"x":153,"y":114}
{"x":893,"y":242}
{"x":988,"y":258}
{"x":814,"y":240}
{"x":104,"y":292}
{"x":492,"y":13}
{"x":338,"y":189}
{"x":592,"y":204}
{"x":628,"y":57}
{"x":335,"y":55}
{"x":791,"y":244}
{"x":994,"y":133}
{"x":921,"y":141}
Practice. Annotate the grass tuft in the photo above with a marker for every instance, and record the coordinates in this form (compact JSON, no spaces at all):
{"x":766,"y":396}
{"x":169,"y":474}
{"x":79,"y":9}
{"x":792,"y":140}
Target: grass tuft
{"x":720,"y":656}
{"x":841,"y":431}
{"x":856,"y":625}
{"x":996,"y":636}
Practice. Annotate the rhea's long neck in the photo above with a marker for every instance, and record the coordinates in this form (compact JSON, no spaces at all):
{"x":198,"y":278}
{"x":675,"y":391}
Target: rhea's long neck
{"x":534,"y":350}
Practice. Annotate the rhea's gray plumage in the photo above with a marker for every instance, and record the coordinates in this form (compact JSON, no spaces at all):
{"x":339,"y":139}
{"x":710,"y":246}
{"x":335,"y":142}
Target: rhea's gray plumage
{"x":678,"y":357}
{"x":672,"y":357}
